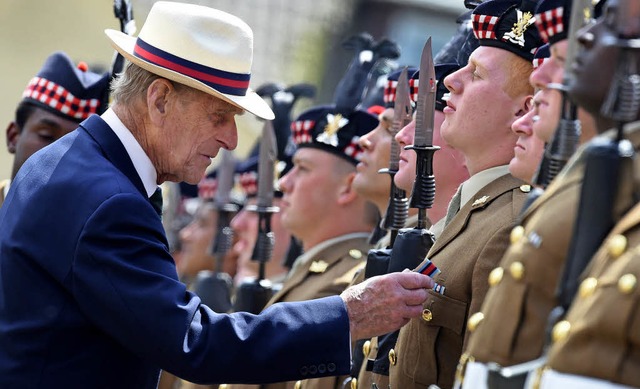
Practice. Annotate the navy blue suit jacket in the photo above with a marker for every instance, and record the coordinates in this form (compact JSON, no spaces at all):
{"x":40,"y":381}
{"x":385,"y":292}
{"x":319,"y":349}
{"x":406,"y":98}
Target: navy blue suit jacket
{"x":90,"y":298}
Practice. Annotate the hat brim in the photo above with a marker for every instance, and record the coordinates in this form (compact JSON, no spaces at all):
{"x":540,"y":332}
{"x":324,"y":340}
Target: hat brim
{"x":251,"y":102}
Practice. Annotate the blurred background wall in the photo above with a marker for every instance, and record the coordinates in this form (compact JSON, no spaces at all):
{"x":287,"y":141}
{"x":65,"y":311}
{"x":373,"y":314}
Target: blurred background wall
{"x":295,"y":41}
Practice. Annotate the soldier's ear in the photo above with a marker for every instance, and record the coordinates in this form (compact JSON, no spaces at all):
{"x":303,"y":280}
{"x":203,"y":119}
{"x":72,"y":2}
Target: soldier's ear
{"x":526,"y":104}
{"x":346,"y":191}
{"x":13,"y":134}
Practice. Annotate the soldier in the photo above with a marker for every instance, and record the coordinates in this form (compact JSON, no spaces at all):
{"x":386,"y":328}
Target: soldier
{"x":596,"y":346}
{"x":449,"y":170}
{"x":529,"y":148}
{"x":510,"y":328}
{"x":486,"y":96}
{"x":376,"y":150}
{"x":59,"y":97}
{"x":449,"y":166}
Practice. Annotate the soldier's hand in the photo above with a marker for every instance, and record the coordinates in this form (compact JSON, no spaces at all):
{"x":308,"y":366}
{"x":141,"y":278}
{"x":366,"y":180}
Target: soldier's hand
{"x":385,"y":303}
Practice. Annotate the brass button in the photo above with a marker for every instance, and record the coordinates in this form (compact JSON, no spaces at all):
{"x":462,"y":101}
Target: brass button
{"x":366,"y":347}
{"x":516,"y":234}
{"x":627,"y":283}
{"x":496,"y":276}
{"x":355,"y":254}
{"x":560,"y":330}
{"x":474,"y":321}
{"x":427,"y":315}
{"x":525,"y":188}
{"x":393,"y":358}
{"x":516,"y":270}
{"x":354,"y":383}
{"x":617,"y":245}
{"x":588,"y":286}
{"x":223,"y":386}
{"x":298,"y":385}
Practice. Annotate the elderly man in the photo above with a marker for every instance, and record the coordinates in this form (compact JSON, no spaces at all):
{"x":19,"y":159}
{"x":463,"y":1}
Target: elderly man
{"x":486,"y":96}
{"x":89,"y":293}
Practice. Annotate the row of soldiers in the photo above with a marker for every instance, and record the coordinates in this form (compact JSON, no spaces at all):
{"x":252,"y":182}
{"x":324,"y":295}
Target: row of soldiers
{"x":509,"y":256}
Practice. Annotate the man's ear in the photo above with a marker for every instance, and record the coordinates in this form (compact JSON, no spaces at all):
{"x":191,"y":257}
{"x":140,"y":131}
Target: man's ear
{"x":13,"y":135}
{"x":525,"y":106}
{"x":347,"y":192}
{"x":158,"y":98}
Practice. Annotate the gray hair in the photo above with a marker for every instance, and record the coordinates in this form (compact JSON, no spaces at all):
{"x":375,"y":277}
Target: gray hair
{"x":133,"y":82}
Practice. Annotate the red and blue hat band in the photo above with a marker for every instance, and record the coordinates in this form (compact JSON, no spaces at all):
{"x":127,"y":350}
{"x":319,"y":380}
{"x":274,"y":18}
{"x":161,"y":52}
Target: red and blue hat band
{"x":225,"y":82}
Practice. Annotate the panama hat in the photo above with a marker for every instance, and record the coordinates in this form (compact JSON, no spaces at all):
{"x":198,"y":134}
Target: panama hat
{"x":197,"y":46}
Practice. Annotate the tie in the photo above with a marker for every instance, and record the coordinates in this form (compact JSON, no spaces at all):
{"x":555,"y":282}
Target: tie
{"x":156,"y":201}
{"x":454,"y":206}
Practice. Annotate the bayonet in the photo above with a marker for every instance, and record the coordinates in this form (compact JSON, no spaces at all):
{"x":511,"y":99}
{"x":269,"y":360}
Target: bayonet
{"x":264,"y":205}
{"x":424,"y":187}
{"x":222,"y":201}
{"x":398,"y":207}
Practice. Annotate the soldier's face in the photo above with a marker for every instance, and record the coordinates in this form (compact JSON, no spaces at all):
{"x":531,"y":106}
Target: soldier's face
{"x":312,"y":191}
{"x":375,"y":155}
{"x":529,"y":148}
{"x":548,"y":102}
{"x":595,"y":63}
{"x":480,"y":111}
{"x":40,"y":129}
{"x":196,"y":239}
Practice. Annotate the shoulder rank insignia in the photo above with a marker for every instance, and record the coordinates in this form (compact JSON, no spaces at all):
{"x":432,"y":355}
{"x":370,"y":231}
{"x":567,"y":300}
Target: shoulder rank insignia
{"x":318,"y":266}
{"x":330,"y":134}
{"x":480,"y":201}
{"x":516,"y":35}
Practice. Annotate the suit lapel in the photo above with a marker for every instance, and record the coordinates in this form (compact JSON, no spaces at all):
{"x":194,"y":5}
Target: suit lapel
{"x":480,"y":200}
{"x":113,"y":149}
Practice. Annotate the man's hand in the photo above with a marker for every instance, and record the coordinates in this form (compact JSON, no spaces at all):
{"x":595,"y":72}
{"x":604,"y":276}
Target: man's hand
{"x":385,"y":303}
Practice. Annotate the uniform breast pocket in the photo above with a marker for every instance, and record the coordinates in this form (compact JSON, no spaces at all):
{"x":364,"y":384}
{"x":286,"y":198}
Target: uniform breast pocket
{"x":436,"y":339}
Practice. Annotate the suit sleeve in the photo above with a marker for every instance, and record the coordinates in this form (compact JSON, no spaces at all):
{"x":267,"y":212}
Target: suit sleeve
{"x":125,"y":282}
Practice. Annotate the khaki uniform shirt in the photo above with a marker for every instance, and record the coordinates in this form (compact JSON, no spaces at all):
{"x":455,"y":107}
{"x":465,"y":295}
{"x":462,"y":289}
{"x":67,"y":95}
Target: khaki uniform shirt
{"x":600,"y":337}
{"x":316,"y":274}
{"x":522,"y":292}
{"x":470,"y":246}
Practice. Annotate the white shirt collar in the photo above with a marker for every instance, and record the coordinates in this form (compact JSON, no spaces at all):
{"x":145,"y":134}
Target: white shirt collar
{"x":141,"y":161}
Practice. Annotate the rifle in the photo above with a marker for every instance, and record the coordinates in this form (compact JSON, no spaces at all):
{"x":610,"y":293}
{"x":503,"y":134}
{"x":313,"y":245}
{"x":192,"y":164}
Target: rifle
{"x":214,"y":288}
{"x":253,"y":296}
{"x":412,"y":244}
{"x":398,"y":207}
{"x":123,"y":11}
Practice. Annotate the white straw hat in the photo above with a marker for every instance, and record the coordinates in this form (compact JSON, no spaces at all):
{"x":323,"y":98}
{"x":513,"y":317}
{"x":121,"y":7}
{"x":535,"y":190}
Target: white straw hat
{"x":197,"y":46}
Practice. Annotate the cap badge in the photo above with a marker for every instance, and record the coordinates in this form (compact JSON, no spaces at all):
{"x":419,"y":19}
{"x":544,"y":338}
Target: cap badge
{"x":516,"y":35}
{"x":330,"y":134}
